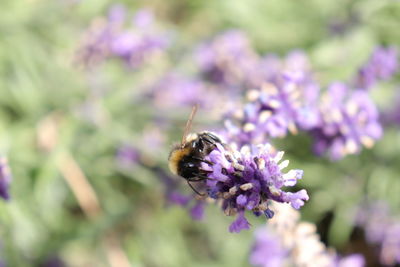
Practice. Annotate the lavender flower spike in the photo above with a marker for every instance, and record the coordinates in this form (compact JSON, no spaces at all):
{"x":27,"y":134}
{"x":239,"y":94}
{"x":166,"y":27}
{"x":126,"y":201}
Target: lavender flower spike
{"x":135,"y":43}
{"x":287,"y":241}
{"x":349,"y":121}
{"x":250,"y":179}
{"x":228,"y":60}
{"x":267,"y":250}
{"x":382,"y":65}
{"x":381,"y":229}
{"x":5,"y":178}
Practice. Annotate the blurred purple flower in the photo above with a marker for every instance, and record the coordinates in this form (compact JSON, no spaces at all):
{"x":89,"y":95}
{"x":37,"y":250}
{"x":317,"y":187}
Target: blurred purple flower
{"x":286,"y":101}
{"x":228,"y":60}
{"x":382,"y":65}
{"x":391,"y":115}
{"x":134,"y":43}
{"x":248,"y":180}
{"x":267,"y":250}
{"x":53,"y":261}
{"x":296,"y":61}
{"x":153,"y":137}
{"x":291,"y":242}
{"x":348,"y":121}
{"x":179,"y":199}
{"x":381,"y":229}
{"x":5,"y":178}
{"x":143,"y":18}
{"x":354,"y":260}
{"x":143,"y":150}
{"x":117,"y":14}
{"x":171,"y":184}
{"x":127,"y":156}
{"x":95,"y":46}
{"x":175,"y":89}
{"x":197,"y":211}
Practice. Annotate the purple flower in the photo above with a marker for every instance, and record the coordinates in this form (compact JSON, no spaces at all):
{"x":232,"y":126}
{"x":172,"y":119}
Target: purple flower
{"x":134,"y":43}
{"x":174,"y":197}
{"x":286,"y":102}
{"x":391,"y":115}
{"x":95,"y":45}
{"x":117,"y":14}
{"x":348,"y":121}
{"x":197,"y":211}
{"x":143,"y":18}
{"x":382,"y":65}
{"x":295,"y":62}
{"x":383,"y":230}
{"x":354,"y":260}
{"x":127,"y":156}
{"x":390,"y":250}
{"x":5,"y":178}
{"x":53,"y":261}
{"x":175,"y":89}
{"x":267,"y":250}
{"x":179,"y":199}
{"x":248,"y":180}
{"x":297,"y":243}
{"x":239,"y":224}
{"x":228,"y":60}
{"x":137,"y":43}
{"x":144,"y":148}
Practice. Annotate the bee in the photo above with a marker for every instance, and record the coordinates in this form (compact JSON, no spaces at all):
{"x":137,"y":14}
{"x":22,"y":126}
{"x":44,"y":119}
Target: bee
{"x":185,"y":158}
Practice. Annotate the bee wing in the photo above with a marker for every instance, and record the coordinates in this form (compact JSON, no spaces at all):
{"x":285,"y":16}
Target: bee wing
{"x":188,"y":125}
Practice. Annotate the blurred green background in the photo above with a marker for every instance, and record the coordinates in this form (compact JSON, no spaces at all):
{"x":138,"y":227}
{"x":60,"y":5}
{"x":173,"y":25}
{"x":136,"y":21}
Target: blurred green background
{"x":60,"y":120}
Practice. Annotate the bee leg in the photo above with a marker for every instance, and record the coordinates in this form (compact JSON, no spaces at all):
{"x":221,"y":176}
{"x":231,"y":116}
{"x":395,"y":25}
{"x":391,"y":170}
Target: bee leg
{"x":213,"y":137}
{"x":197,"y":192}
{"x":203,"y":177}
{"x":202,"y":160}
{"x":210,"y":138}
{"x":205,"y":139}
{"x":197,"y":179}
{"x":210,"y":142}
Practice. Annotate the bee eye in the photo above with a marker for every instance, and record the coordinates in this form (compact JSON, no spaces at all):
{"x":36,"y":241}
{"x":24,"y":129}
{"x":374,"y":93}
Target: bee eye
{"x":195,"y":143}
{"x":198,"y":144}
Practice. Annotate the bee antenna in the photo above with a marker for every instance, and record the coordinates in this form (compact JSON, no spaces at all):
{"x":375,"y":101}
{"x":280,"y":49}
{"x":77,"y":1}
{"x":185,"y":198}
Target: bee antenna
{"x":188,"y":124}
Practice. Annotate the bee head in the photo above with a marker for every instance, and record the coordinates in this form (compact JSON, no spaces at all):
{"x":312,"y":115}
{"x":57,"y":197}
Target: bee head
{"x":189,"y":138}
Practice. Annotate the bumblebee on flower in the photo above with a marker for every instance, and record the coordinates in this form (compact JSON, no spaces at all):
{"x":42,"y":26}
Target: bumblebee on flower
{"x":240,"y":180}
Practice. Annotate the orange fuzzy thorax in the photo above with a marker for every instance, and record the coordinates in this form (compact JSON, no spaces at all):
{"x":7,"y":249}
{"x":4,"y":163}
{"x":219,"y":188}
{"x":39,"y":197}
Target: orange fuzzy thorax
{"x":175,"y":156}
